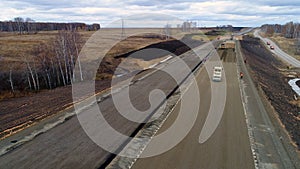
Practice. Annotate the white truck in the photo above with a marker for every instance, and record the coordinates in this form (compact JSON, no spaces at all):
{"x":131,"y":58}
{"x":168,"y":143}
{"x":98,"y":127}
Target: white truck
{"x":217,"y":75}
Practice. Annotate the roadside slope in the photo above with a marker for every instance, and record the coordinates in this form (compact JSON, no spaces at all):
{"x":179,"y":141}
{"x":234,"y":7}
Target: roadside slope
{"x":270,"y":143}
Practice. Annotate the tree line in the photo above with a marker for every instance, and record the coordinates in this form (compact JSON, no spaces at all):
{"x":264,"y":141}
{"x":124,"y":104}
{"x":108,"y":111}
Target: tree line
{"x":28,"y":25}
{"x":289,"y":30}
{"x":52,"y":65}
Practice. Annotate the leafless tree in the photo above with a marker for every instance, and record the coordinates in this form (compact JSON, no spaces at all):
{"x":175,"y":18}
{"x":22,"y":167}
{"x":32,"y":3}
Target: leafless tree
{"x":67,"y":45}
{"x":29,"y":82}
{"x":288,"y":30}
{"x":167,"y":31}
{"x":60,"y":68}
{"x":20,"y":24}
{"x":61,"y":56}
{"x":37,"y":80}
{"x":30,"y":25}
{"x":44,"y":57}
{"x":76,"y":41}
{"x":269,"y":29}
{"x":11,"y":80}
{"x":298,"y":46}
{"x":32,"y":74}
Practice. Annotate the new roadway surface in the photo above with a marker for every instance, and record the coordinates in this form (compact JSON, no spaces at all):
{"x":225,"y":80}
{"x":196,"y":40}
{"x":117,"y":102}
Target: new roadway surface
{"x":229,"y":147}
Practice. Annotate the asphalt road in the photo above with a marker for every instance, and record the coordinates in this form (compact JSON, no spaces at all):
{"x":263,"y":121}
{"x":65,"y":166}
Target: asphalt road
{"x":228,"y":147}
{"x":278,"y":52}
{"x":68,"y":146}
{"x":244,"y":32}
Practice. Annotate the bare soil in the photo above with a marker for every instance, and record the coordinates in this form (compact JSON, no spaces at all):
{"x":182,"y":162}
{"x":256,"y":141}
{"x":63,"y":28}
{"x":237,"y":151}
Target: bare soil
{"x":18,"y":113}
{"x":270,"y":75}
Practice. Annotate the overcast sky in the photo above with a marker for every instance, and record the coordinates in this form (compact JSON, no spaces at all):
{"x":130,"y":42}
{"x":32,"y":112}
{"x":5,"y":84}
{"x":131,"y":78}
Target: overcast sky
{"x":207,"y":13}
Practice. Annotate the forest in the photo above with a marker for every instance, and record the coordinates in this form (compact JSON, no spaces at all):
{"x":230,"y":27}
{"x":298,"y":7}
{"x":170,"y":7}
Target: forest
{"x":29,"y":26}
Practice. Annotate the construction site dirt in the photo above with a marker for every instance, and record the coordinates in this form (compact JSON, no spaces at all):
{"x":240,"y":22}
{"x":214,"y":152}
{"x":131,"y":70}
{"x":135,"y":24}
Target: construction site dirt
{"x":271,"y":75}
{"x":19,"y":113}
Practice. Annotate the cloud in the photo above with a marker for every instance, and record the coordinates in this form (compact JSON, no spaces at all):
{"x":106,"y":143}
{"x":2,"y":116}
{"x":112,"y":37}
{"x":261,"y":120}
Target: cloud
{"x":209,"y":13}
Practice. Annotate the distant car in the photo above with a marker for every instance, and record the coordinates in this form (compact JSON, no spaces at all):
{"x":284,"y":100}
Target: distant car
{"x":268,"y":43}
{"x":217,"y":75}
{"x":272,"y":47}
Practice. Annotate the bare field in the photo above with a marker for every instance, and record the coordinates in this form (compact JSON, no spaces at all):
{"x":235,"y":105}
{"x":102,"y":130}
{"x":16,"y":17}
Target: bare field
{"x":15,"y":48}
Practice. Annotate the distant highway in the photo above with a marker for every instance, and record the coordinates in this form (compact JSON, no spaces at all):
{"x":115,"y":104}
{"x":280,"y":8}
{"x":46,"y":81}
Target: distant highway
{"x":244,"y":32}
{"x":278,"y":52}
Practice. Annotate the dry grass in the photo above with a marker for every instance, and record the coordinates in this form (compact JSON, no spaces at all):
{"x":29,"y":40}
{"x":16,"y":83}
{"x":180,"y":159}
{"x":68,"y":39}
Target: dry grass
{"x":15,"y":48}
{"x":200,"y":35}
{"x":9,"y":94}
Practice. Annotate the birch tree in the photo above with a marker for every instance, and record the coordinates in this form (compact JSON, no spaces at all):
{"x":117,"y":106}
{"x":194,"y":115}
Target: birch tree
{"x":29,"y":25}
{"x":20,"y":24}
{"x":11,"y":81}
{"x":44,"y":58}
{"x":32,"y":74}
{"x":289,"y":30}
{"x":67,"y":45}
{"x":298,"y":46}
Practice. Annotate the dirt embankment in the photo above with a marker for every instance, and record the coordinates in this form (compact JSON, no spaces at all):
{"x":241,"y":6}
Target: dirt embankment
{"x":136,"y":60}
{"x":271,"y":75}
{"x":17,"y":113}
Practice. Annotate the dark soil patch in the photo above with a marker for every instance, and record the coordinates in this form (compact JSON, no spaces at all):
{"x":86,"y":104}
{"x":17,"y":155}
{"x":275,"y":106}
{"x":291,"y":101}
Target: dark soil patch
{"x":215,"y":33}
{"x":298,"y":83}
{"x":176,"y":47}
{"x":29,"y":109}
{"x":265,"y":72}
{"x":228,"y":55}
